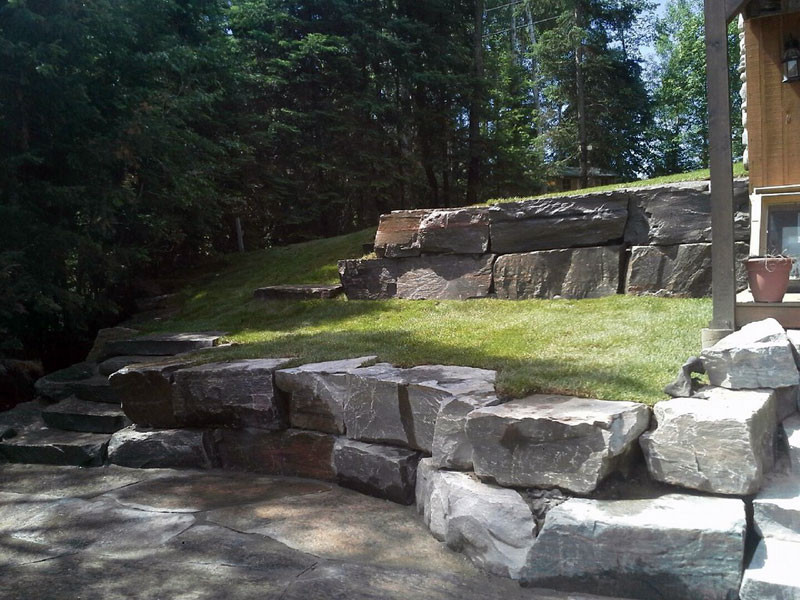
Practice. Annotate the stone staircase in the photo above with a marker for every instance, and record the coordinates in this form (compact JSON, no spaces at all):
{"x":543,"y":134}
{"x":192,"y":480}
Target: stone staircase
{"x":576,"y":494}
{"x":77,"y":409}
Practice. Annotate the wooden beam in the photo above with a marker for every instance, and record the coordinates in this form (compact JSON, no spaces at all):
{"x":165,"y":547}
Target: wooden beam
{"x":733,"y":8}
{"x":723,"y":274}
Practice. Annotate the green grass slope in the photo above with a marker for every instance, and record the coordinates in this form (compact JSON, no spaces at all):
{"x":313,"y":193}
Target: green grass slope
{"x":615,"y":348}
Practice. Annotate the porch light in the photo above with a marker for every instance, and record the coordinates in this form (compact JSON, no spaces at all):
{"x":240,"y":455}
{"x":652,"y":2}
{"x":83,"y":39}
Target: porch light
{"x":791,"y":61}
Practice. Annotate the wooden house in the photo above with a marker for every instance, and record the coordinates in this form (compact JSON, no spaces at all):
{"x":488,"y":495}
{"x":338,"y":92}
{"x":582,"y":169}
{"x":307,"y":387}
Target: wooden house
{"x":771,"y":114}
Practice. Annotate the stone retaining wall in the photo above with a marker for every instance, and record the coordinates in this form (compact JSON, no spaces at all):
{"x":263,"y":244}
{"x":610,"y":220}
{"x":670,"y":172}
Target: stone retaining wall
{"x":650,"y":240}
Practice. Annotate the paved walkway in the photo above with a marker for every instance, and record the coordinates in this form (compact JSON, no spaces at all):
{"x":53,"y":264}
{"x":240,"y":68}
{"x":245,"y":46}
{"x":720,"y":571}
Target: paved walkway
{"x":111,"y":532}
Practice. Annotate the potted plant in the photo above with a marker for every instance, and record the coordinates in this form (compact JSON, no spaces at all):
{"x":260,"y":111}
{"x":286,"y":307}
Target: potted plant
{"x":768,"y":276}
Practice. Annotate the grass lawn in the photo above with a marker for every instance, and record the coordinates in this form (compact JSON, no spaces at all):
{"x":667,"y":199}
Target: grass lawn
{"x":615,"y":348}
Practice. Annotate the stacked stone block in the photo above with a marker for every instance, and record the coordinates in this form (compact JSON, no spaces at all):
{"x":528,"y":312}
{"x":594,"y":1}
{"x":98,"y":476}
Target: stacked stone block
{"x":653,"y":240}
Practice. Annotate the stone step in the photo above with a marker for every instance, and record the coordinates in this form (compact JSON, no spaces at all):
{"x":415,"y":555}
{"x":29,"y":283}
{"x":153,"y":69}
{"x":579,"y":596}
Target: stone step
{"x":115,"y":363}
{"x":74,"y":414}
{"x":772,"y":572}
{"x":54,"y":447}
{"x":163,"y":344}
{"x":21,"y":418}
{"x":298,"y":292}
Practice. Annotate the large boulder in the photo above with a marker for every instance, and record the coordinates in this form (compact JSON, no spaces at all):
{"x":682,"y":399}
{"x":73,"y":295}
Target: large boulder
{"x":772,"y":572}
{"x":380,"y":471}
{"x":458,"y":277}
{"x":492,"y":526}
{"x":554,"y":441}
{"x":81,"y":380}
{"x":369,"y":279}
{"x":317,"y":393}
{"x":547,"y":223}
{"x":454,"y":231}
{"x":776,"y":508}
{"x":722,"y":445}
{"x":680,"y":270}
{"x":147,"y":392}
{"x":680,"y":214}
{"x":568,"y":273}
{"x":451,"y":448}
{"x":398,"y":232}
{"x":230,"y":394}
{"x":674,"y":546}
{"x":143,"y":448}
{"x":160,"y":344}
{"x":401,"y":406}
{"x":290,"y":453}
{"x":759,"y":355}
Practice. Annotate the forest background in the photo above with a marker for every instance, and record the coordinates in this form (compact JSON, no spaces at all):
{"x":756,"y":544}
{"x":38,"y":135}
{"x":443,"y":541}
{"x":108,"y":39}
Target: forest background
{"x":135,"y":132}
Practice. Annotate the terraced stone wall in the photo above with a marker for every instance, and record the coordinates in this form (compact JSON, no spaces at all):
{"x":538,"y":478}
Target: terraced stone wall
{"x":652,"y":240}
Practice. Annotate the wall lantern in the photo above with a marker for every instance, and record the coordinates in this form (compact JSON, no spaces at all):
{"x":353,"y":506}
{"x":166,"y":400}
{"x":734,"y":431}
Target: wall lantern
{"x":791,"y":61}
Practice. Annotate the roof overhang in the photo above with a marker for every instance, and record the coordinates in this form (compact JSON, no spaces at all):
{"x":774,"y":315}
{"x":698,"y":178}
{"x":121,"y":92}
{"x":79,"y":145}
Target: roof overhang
{"x":733,"y":8}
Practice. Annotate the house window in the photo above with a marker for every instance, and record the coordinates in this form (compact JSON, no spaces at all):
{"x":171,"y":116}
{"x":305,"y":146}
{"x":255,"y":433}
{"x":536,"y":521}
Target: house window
{"x":783,"y":232}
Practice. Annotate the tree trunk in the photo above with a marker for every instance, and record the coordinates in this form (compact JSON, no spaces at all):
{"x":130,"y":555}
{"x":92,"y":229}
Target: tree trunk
{"x":532,"y":36}
{"x":581,"y":98}
{"x":474,"y":168}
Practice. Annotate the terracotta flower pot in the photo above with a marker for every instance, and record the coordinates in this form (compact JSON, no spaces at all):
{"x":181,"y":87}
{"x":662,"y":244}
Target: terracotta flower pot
{"x":768,"y":277}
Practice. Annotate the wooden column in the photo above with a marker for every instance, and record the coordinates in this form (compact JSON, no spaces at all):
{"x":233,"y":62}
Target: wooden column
{"x":719,"y":133}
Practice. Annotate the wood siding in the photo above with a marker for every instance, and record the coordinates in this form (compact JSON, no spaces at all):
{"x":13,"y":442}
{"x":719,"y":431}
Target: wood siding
{"x":773,"y":107}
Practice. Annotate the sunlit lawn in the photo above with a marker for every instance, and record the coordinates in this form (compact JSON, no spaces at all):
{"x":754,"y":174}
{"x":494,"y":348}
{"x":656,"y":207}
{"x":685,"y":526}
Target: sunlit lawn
{"x":616,"y":348}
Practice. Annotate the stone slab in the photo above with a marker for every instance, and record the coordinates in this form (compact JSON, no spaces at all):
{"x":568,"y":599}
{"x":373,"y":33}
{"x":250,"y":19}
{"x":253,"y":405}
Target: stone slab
{"x":74,"y":414}
{"x":791,"y":427}
{"x":81,"y":380}
{"x":292,"y":452}
{"x":492,"y":526}
{"x":308,"y":291}
{"x":457,"y":277}
{"x":776,"y":508}
{"x":674,"y":546}
{"x":682,"y":271}
{"x":317,"y":393}
{"x":380,"y":471}
{"x":454,"y":231}
{"x":144,"y":448}
{"x":567,"y":273}
{"x":54,"y":447}
{"x":24,"y":416}
{"x":772,"y":572}
{"x":98,"y":351}
{"x":397,"y":233}
{"x":759,"y":355}
{"x":722,"y":445}
{"x":680,"y":213}
{"x":230,"y":394}
{"x":162,"y":344}
{"x":147,"y":393}
{"x":548,"y":223}
{"x":115,"y":363}
{"x":554,"y":441}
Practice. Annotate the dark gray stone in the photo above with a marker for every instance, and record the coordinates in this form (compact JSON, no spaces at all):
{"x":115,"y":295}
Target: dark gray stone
{"x":369,"y":279}
{"x":398,"y":232}
{"x":548,"y":223}
{"x":161,"y":344}
{"x":680,"y":213}
{"x":722,"y":445}
{"x":550,"y":441}
{"x":442,"y":277}
{"x":675,"y":546}
{"x":98,"y":351}
{"x":492,"y":526}
{"x":115,"y":363}
{"x":455,"y":231}
{"x":684,"y":384}
{"x":24,"y":416}
{"x":681,"y":271}
{"x":143,"y":448}
{"x":386,"y":404}
{"x":81,"y":380}
{"x":568,"y":273}
{"x":230,"y":394}
{"x":147,"y":392}
{"x":380,"y":471}
{"x":451,"y":447}
{"x":298,"y":292}
{"x":759,"y":355}
{"x":292,"y":452}
{"x":74,"y":414}
{"x":318,"y":392}
{"x":54,"y":447}
{"x":458,"y":277}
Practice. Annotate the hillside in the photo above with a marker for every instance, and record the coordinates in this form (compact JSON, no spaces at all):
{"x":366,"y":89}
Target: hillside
{"x":616,"y":348}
